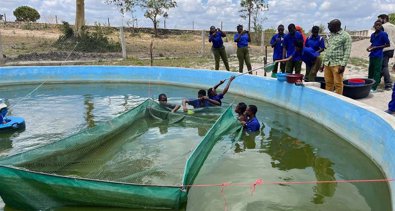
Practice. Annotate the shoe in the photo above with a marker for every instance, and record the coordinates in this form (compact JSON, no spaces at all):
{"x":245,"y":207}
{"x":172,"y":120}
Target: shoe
{"x":389,"y":112}
{"x":373,"y":91}
{"x":387,"y":88}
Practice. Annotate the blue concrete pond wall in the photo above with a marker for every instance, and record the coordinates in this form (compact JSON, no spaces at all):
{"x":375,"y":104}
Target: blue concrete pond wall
{"x":370,"y":130}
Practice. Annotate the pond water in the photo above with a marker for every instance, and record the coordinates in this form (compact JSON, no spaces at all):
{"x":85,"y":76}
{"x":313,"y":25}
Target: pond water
{"x":290,"y":148}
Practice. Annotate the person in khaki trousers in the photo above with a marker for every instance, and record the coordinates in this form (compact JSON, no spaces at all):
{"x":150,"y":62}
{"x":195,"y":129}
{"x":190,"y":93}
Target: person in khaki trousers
{"x":218,"y":48}
{"x":242,"y":38}
{"x":336,"y":56}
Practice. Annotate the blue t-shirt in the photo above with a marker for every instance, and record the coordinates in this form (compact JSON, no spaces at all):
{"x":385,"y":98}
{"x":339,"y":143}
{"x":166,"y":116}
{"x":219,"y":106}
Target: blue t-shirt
{"x":217,"y":40}
{"x":278,"y":47}
{"x":218,"y":98}
{"x":3,"y":113}
{"x":378,"y":39}
{"x":307,"y":55}
{"x":197,"y":103}
{"x":315,"y":42}
{"x":252,"y":125}
{"x":289,"y":44}
{"x":243,"y":42}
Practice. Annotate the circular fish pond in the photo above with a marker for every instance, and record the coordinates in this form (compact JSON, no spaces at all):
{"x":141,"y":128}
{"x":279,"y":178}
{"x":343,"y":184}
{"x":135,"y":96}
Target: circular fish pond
{"x":293,"y":163}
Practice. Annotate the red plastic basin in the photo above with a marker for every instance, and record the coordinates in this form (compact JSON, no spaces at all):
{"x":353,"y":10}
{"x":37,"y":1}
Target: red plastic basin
{"x":293,"y":78}
{"x":356,"y":81}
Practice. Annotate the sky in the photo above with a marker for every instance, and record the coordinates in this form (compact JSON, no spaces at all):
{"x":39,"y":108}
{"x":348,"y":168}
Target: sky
{"x":201,"y":14}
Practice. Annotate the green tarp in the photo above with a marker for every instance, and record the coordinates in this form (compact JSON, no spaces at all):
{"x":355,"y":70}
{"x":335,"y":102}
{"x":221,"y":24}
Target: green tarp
{"x":46,"y":177}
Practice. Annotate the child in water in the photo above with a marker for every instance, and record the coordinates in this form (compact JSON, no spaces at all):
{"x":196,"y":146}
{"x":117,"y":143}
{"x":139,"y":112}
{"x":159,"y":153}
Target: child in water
{"x":162,"y":98}
{"x":240,"y":110}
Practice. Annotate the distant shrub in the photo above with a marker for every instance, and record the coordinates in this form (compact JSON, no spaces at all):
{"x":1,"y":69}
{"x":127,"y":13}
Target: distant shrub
{"x":25,"y":14}
{"x":392,"y":18}
{"x":95,"y":41}
{"x":67,"y":31}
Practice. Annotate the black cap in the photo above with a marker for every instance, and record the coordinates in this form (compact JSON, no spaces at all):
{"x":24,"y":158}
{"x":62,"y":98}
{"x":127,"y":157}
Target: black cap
{"x":212,"y":27}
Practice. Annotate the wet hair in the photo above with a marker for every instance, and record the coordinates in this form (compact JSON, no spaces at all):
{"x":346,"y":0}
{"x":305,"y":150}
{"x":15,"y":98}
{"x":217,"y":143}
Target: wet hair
{"x":315,"y":29}
{"x":239,"y":26}
{"x":253,"y":109}
{"x":280,"y":26}
{"x":242,"y":106}
{"x":384,"y":16}
{"x":210,"y":92}
{"x":161,"y":95}
{"x":298,"y":43}
{"x":202,"y":92}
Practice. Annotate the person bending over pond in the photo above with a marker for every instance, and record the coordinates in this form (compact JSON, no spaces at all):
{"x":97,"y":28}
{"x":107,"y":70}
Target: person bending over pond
{"x":309,"y":56}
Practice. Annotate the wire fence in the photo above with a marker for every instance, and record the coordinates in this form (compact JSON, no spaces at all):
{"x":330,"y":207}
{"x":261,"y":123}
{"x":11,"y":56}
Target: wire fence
{"x":19,"y":40}
{"x":32,"y":42}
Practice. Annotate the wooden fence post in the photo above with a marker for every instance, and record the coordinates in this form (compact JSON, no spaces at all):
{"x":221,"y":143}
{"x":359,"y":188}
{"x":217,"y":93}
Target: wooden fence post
{"x":203,"y":42}
{"x":2,"y":60}
{"x":151,"y":52}
{"x":123,"y":44}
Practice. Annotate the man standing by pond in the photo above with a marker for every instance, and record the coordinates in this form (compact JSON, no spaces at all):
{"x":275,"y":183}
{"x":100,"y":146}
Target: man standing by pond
{"x":388,"y":52}
{"x":277,"y":43}
{"x":336,"y":56}
{"x":379,"y":40}
{"x":218,"y":48}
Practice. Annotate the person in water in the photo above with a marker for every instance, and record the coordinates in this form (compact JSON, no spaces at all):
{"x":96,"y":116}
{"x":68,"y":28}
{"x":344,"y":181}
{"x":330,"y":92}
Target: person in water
{"x":162,"y":98}
{"x":212,"y":92}
{"x":201,"y":102}
{"x":251,"y":124}
{"x":3,"y":112}
{"x":240,"y":111}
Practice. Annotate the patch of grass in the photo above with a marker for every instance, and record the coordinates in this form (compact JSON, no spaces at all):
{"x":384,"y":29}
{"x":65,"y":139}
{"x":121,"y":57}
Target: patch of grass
{"x":186,"y":37}
{"x":187,"y":62}
{"x":16,"y":45}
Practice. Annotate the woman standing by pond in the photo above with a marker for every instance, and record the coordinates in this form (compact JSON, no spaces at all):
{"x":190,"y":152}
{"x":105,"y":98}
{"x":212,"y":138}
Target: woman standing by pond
{"x":242,"y":38}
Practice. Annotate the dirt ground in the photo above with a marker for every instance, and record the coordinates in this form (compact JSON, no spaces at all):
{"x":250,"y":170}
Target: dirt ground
{"x":29,"y":47}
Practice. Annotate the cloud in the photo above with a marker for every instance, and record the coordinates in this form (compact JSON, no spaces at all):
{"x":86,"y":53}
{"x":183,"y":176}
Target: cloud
{"x":200,"y":14}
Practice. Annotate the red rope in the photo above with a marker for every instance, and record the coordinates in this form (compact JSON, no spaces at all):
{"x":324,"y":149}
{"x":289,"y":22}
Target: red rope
{"x":261,"y":182}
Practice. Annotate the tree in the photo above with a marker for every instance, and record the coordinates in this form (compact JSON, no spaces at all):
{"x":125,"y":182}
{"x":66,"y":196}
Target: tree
{"x":123,"y":5}
{"x":251,"y":9}
{"x":25,"y":13}
{"x":155,"y":9}
{"x":79,"y":16}
{"x":392,"y":18}
{"x":322,"y":29}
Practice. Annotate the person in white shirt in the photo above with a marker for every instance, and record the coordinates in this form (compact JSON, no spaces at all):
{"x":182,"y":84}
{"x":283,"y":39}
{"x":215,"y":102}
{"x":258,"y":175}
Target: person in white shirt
{"x":388,"y":52}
